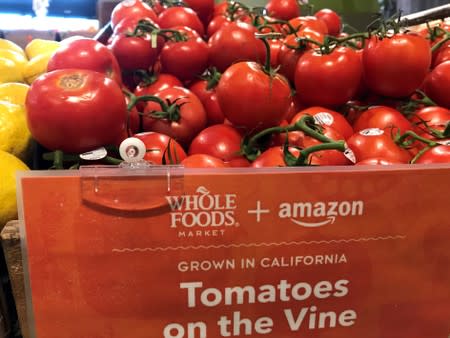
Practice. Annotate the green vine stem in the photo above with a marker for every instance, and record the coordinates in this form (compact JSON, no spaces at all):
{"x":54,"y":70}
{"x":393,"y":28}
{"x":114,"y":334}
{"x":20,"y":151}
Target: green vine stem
{"x":302,"y":159}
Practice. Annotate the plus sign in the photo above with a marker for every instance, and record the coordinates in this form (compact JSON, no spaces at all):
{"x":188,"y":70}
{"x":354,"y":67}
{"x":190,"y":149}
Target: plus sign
{"x":258,"y":211}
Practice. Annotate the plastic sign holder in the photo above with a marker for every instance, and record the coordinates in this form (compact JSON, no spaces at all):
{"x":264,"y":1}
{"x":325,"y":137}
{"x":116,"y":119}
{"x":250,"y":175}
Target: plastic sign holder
{"x":172,"y":252}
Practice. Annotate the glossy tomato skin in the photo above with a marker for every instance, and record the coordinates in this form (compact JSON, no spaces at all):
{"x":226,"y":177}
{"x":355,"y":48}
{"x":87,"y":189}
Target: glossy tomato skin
{"x":432,"y":116}
{"x":140,"y":47}
{"x":309,"y":22}
{"x":328,"y":80}
{"x":209,"y":100}
{"x":324,"y":116}
{"x":203,"y":161}
{"x":131,"y":8}
{"x":157,"y":146}
{"x":442,"y":54}
{"x":192,"y":115}
{"x":377,"y":161}
{"x":221,"y":140}
{"x":283,"y":9}
{"x":216,"y":23}
{"x":383,"y":117}
{"x":235,"y":42}
{"x":374,"y":142}
{"x":185,"y":59}
{"x":396,"y":66}
{"x":86,"y":54}
{"x":331,"y":19}
{"x":273,"y":157}
{"x":250,"y":98}
{"x":181,"y":16}
{"x":75,"y":110}
{"x":437,"y":84}
{"x":437,"y":154}
{"x":128,"y":24}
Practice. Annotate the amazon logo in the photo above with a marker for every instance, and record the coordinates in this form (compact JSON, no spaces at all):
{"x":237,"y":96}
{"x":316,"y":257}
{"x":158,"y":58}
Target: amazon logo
{"x":318,"y":214}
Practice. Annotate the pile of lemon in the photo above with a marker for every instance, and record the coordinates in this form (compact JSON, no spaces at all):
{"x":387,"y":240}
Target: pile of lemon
{"x":18,"y":69}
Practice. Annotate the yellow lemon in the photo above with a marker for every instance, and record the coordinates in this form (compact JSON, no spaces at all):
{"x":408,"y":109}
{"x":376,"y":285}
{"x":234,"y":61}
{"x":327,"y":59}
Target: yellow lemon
{"x":40,"y":46}
{"x":9,"y":165}
{"x":6,"y":44}
{"x":15,"y":137}
{"x":14,"y":92}
{"x":10,"y":71}
{"x":36,"y":66}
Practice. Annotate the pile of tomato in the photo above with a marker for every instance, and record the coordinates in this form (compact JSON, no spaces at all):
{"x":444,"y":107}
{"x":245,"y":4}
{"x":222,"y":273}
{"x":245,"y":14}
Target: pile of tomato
{"x":220,"y":85}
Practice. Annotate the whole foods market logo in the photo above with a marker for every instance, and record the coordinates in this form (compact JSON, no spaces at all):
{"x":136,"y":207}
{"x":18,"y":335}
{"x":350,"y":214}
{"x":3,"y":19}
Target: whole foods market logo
{"x":318,"y":214}
{"x":202,"y":214}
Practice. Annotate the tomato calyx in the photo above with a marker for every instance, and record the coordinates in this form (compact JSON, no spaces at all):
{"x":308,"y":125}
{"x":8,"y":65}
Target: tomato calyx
{"x":144,"y":27}
{"x":445,"y":38}
{"x":170,"y":110}
{"x":212,"y":77}
{"x":410,"y":106}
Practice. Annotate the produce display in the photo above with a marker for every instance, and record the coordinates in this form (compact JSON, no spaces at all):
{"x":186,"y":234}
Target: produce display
{"x":225,"y":85}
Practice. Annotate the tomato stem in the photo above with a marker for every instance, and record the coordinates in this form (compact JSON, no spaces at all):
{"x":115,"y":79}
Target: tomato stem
{"x":441,"y":43}
{"x":304,"y":154}
{"x":419,"y":154}
{"x":401,"y":140}
{"x":212,"y":77}
{"x":263,"y":37}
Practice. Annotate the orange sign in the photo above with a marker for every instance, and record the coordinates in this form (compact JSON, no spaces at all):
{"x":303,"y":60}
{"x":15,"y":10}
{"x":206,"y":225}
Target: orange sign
{"x":318,"y":253}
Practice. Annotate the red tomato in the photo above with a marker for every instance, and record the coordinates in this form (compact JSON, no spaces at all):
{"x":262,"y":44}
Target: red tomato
{"x":203,"y":161}
{"x":203,"y":8}
{"x":437,"y":84}
{"x":275,"y":46}
{"x":185,"y":59}
{"x":235,"y":42}
{"x":128,"y":24}
{"x":252,"y":99}
{"x":431,"y":116}
{"x":437,"y":154}
{"x":217,"y":23}
{"x":283,"y":9}
{"x":330,"y":79}
{"x":209,"y":100}
{"x":294,"y":107}
{"x":311,"y":22}
{"x":273,"y":157}
{"x":86,"y":54}
{"x":396,"y":66}
{"x":331,"y":19}
{"x":327,"y":117}
{"x":187,"y":116}
{"x":75,"y":110}
{"x":294,"y":138}
{"x":131,"y":8}
{"x":326,"y":157}
{"x":383,"y":118}
{"x":158,"y":83}
{"x":442,"y":54}
{"x":221,"y":140}
{"x":220,"y":8}
{"x":143,"y":54}
{"x":374,"y":142}
{"x":377,"y":161}
{"x":181,"y":16}
{"x":157,"y":146}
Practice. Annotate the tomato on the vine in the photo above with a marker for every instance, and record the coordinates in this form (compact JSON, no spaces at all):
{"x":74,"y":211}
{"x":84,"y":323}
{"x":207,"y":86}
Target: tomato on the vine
{"x":437,"y":154}
{"x":178,"y":114}
{"x":374,"y":142}
{"x":437,"y":84}
{"x":274,"y":157}
{"x":208,"y":96}
{"x":383,"y":117}
{"x":185,"y":59}
{"x":75,"y":110}
{"x":396,"y":66}
{"x":308,"y":22}
{"x":235,"y":42}
{"x":203,"y":8}
{"x":132,"y":8}
{"x":331,"y":19}
{"x":86,"y":53}
{"x":251,"y":98}
{"x":181,"y":16}
{"x":161,"y":148}
{"x":157,"y":83}
{"x":328,"y":80}
{"x":283,"y":9}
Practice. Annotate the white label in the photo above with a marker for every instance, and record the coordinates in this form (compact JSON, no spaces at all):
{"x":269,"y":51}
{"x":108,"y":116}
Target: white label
{"x":154,"y":40}
{"x":371,"y":132}
{"x":94,"y":155}
{"x":324,"y":118}
{"x":350,"y":155}
{"x":444,"y":142}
